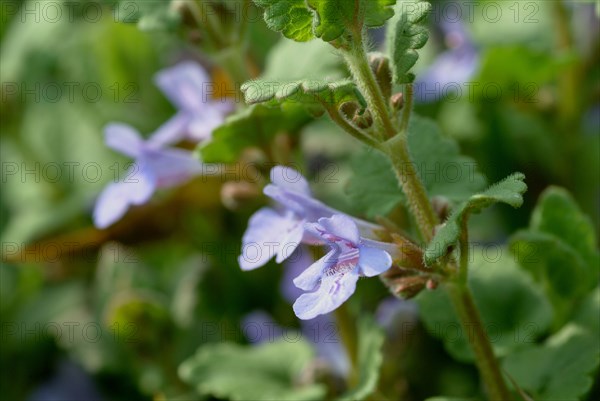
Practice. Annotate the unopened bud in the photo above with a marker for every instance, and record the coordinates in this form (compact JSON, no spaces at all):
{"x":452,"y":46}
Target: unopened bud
{"x":409,"y":287}
{"x":380,"y":65}
{"x":410,"y":255}
{"x":236,"y":194}
{"x":397,"y":101}
{"x":364,"y":120}
{"x":431,"y":284}
{"x":441,"y":207}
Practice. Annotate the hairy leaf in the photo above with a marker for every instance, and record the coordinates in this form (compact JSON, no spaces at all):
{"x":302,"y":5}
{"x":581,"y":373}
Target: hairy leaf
{"x":406,"y":34}
{"x":267,"y":372}
{"x":304,"y":91}
{"x":335,"y":18}
{"x":329,"y":20}
{"x":290,"y":17}
{"x":509,"y":191}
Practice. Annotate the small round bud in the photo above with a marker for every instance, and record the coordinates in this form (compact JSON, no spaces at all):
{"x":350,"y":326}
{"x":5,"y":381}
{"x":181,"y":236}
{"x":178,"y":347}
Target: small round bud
{"x":236,"y":194}
{"x":363,"y":121}
{"x":397,"y":101}
{"x":431,"y":284}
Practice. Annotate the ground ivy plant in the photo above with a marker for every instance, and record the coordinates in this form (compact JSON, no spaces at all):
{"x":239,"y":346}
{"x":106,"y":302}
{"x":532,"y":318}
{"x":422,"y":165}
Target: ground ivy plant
{"x":547,"y":274}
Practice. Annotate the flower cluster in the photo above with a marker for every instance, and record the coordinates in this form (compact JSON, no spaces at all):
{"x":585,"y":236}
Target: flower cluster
{"x":156,"y":164}
{"x":298,"y":218}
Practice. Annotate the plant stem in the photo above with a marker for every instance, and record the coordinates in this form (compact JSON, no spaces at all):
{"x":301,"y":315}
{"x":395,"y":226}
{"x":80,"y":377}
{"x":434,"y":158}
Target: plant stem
{"x":335,"y":115}
{"x":485,"y":359}
{"x":358,"y":63}
{"x":397,"y":147}
{"x":418,"y":202}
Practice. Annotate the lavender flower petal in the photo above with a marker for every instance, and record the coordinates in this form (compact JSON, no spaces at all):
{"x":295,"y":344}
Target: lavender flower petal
{"x":335,"y":289}
{"x":373,"y":261}
{"x":262,"y":239}
{"x":123,"y":138}
{"x":117,"y":197}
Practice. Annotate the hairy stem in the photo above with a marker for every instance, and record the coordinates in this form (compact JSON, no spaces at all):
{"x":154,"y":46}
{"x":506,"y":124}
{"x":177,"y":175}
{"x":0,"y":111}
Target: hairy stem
{"x":358,"y":63}
{"x":335,"y":115}
{"x":486,"y":361}
{"x":418,"y":202}
{"x":396,"y":148}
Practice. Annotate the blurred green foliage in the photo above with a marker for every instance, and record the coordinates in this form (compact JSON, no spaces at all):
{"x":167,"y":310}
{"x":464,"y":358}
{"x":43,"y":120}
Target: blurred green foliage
{"x":151,"y":308}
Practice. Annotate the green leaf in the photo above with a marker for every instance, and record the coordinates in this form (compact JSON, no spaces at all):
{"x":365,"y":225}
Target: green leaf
{"x":406,"y":34}
{"x":370,"y":358}
{"x":290,"y":17}
{"x":561,"y":368}
{"x":325,"y":19}
{"x":513,"y":308}
{"x":267,"y":372}
{"x":340,"y":17}
{"x":588,"y":312}
{"x":303,"y":73}
{"x":256,"y":125}
{"x":437,"y":159}
{"x":310,"y":92}
{"x":559,"y":249}
{"x":149,"y":15}
{"x":509,"y":191}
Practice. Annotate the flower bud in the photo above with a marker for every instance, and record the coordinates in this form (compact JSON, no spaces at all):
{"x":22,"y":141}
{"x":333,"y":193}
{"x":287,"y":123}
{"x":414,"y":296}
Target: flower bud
{"x":363,"y":121}
{"x":441,"y":207}
{"x":397,"y":101}
{"x":380,"y":65}
{"x":236,"y":194}
{"x":410,"y":287}
{"x":431,"y":284}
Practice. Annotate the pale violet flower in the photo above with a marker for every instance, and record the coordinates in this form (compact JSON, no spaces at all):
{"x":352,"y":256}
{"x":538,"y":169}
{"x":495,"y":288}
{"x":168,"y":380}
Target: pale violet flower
{"x":277,"y":232}
{"x":189,"y":87}
{"x":154,"y":167}
{"x":452,"y":68}
{"x":332,"y":279}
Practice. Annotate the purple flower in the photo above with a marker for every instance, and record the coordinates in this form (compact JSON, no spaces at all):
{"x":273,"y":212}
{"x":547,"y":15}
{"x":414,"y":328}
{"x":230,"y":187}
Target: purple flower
{"x":154,"y":167}
{"x":188,"y":87}
{"x":278,"y":232}
{"x":452,"y":67}
{"x":332,"y":279}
